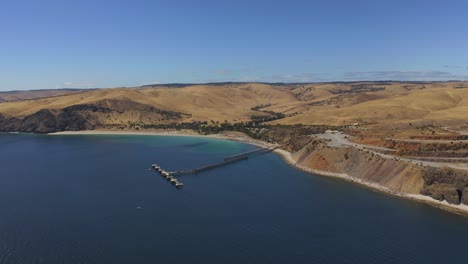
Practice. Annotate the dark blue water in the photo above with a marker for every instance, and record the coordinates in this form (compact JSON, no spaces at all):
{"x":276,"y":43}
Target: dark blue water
{"x":90,"y":199}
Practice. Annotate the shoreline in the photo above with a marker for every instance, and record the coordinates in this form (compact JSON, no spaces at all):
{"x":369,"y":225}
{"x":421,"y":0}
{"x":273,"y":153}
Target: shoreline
{"x":286,"y":156}
{"x":235,"y":136}
{"x":460,"y":209}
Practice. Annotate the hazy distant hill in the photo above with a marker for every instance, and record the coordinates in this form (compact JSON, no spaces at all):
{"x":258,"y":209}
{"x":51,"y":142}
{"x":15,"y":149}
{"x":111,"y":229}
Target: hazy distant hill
{"x":12,"y":96}
{"x":372,"y":103}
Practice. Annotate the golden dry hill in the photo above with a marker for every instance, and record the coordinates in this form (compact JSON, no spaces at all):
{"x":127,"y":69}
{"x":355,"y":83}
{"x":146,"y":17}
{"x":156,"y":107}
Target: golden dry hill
{"x":375,"y":106}
{"x":13,"y":96}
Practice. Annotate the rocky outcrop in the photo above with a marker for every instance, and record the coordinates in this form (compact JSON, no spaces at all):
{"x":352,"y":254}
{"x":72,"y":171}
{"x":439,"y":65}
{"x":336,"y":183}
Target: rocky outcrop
{"x":446,"y":184}
{"x":464,"y":198}
{"x":443,"y":192}
{"x":41,"y":122}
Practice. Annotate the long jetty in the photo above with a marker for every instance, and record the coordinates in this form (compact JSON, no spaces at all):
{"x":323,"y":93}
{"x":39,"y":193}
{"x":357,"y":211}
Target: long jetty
{"x":255,"y":151}
{"x":227,"y":160}
{"x":209,"y":167}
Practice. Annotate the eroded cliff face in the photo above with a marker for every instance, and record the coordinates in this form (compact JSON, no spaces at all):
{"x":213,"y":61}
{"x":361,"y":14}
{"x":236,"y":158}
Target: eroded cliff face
{"x":396,"y":175}
{"x":446,"y":184}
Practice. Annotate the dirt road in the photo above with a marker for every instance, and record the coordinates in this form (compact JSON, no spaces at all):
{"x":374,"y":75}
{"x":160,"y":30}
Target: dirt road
{"x":338,"y":139}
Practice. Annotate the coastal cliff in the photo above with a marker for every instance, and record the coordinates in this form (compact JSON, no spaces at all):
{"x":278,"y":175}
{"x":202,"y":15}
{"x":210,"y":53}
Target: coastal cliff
{"x":394,"y":174}
{"x":102,"y":114}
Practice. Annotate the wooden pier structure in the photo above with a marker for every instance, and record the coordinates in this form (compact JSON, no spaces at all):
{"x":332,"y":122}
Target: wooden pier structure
{"x":227,"y":160}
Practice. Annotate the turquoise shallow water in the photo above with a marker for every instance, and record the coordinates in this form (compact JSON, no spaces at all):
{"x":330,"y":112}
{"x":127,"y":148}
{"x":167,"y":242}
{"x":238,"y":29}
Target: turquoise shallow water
{"x":90,"y":199}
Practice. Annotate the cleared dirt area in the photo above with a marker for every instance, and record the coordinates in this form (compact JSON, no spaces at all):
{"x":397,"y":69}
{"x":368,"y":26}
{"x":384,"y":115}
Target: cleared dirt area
{"x":338,"y":139}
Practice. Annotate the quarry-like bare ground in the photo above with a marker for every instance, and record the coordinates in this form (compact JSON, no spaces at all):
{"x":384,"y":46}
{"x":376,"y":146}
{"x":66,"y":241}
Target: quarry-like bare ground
{"x":338,"y":139}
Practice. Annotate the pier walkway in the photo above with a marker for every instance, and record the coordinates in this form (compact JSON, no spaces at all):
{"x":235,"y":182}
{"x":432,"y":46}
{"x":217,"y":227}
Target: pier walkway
{"x":255,"y":151}
{"x":212,"y":166}
{"x":227,"y":160}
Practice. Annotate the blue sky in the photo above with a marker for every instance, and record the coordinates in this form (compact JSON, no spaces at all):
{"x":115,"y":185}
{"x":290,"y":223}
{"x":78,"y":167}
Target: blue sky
{"x":49,"y":44}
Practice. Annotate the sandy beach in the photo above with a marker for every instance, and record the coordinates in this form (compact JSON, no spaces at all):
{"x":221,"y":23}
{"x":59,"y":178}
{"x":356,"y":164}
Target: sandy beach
{"x":285,"y":155}
{"x":236,"y":136}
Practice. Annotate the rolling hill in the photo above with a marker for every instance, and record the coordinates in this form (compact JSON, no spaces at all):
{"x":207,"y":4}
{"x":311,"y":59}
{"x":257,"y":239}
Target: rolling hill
{"x":13,"y":96}
{"x":373,"y":105}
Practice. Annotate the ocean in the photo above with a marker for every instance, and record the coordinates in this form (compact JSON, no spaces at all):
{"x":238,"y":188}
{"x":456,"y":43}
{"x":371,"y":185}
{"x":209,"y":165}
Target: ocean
{"x":92,"y":199}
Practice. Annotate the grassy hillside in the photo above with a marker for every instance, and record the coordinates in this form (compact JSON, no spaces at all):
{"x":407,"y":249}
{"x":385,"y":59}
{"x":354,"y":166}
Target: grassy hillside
{"x":379,"y":106}
{"x":384,"y":106}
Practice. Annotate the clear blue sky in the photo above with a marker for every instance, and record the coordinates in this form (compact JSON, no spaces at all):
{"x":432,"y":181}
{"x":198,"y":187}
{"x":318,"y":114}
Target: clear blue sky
{"x":49,"y":44}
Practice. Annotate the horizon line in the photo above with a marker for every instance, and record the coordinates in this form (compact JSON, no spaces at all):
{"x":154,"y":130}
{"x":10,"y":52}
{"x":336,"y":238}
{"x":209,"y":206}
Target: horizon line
{"x":183,"y":84}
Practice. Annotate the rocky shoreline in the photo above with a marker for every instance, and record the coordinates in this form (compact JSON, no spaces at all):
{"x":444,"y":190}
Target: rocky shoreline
{"x":459,"y":209}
